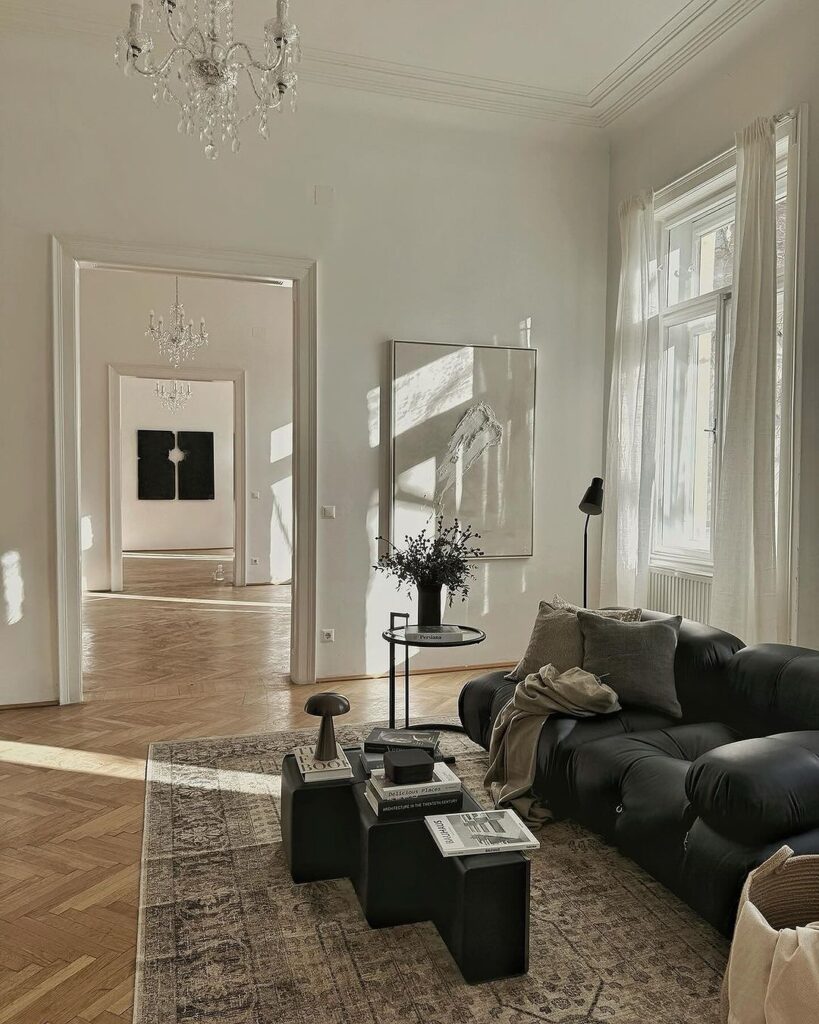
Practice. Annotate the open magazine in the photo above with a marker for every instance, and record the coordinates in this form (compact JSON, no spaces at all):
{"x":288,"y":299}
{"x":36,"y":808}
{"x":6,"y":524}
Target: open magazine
{"x":458,"y":835}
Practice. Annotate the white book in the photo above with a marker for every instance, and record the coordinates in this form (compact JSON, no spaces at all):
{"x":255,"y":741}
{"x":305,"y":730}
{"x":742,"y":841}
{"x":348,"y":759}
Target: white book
{"x":321,"y":771}
{"x":459,"y":835}
{"x":443,"y":781}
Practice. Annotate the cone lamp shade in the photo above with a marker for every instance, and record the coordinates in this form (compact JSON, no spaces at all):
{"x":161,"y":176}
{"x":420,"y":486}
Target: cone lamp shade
{"x":591,"y":504}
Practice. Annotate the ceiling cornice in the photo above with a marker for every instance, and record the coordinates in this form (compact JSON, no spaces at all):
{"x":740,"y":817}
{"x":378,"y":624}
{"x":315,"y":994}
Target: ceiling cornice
{"x":681,"y":39}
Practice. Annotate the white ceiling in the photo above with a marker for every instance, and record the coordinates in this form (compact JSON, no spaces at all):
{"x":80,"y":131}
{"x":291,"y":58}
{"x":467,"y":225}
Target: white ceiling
{"x":580,"y":61}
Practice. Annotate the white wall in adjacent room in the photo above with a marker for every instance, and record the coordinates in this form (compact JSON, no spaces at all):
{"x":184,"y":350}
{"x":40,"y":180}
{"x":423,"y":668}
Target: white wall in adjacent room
{"x":173,"y":524}
{"x":441,"y":226}
{"x":683,"y":124}
{"x":250,"y":328}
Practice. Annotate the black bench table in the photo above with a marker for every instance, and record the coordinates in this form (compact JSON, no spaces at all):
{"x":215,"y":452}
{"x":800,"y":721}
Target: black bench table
{"x":479,"y":904}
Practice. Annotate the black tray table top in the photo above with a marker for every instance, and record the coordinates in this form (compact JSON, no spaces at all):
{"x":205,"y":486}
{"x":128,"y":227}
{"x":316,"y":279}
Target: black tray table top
{"x":479,"y":904}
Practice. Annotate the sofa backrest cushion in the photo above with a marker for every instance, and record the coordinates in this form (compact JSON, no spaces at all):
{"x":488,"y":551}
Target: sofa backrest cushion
{"x":773,"y":688}
{"x":700,"y":668}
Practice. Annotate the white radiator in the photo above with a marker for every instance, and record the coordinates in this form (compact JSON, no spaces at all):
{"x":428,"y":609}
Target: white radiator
{"x":680,"y":593}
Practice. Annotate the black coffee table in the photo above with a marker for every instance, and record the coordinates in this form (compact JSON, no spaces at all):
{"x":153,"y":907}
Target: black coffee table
{"x":479,"y":904}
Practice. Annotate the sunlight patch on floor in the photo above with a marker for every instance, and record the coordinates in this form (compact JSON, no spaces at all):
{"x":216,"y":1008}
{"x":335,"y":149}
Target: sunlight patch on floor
{"x":187,"y":600}
{"x":64,"y":759}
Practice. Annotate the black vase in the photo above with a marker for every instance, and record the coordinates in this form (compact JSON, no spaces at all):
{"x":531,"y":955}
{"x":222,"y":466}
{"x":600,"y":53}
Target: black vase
{"x":429,"y":607}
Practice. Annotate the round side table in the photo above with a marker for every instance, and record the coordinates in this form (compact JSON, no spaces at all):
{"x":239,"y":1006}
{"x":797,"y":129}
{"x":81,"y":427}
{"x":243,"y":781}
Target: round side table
{"x":395,"y":636}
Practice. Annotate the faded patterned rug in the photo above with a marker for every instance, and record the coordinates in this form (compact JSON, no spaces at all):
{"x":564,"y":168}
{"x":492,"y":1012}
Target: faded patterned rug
{"x":225,"y":937}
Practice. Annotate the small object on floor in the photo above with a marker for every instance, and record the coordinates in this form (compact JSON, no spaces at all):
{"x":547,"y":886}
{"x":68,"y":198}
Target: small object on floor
{"x":219,"y":575}
{"x":328,"y":705}
{"x":404,"y":767}
{"x":314,"y":770}
{"x":381,"y":740}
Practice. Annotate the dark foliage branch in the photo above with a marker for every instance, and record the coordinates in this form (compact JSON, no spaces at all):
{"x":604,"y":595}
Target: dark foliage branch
{"x":440,"y":560}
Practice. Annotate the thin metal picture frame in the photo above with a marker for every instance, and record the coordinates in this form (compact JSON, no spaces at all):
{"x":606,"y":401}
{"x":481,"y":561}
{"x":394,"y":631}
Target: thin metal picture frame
{"x":393,"y":343}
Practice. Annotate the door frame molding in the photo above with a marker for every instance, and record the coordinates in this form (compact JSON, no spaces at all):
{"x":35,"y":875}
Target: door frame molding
{"x":69,"y":255}
{"x":116,"y":371}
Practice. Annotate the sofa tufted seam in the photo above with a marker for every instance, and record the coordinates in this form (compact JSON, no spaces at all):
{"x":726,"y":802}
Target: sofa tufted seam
{"x":779,"y":674}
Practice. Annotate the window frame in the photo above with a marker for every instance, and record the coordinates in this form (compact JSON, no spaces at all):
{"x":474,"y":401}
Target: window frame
{"x":715,"y":304}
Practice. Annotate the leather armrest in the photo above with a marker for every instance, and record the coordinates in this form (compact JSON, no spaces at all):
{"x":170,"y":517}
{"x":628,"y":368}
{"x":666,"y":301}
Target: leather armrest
{"x":758,"y":790}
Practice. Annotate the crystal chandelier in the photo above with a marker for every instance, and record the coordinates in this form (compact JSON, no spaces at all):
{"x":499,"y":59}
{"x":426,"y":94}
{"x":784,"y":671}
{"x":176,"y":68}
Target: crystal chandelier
{"x":179,"y":343}
{"x":204,"y":66}
{"x":173,"y":394}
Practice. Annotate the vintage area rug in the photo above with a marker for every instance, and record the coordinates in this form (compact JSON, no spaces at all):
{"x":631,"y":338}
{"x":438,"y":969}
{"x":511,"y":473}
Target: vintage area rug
{"x":225,"y":937}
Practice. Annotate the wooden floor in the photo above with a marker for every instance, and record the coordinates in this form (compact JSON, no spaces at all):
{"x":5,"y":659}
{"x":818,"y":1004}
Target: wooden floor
{"x":71,"y":804}
{"x":175,"y":632}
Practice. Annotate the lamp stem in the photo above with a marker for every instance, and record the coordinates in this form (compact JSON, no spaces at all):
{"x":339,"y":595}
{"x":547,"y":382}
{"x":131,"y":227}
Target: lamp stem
{"x":586,"y":562}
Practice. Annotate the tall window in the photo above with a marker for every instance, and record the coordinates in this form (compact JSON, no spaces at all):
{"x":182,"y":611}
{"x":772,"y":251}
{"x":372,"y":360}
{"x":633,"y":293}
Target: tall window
{"x":696,"y":233}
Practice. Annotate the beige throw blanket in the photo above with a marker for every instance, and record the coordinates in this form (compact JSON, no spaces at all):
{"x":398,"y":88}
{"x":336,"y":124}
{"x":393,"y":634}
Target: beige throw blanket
{"x":513,"y":747}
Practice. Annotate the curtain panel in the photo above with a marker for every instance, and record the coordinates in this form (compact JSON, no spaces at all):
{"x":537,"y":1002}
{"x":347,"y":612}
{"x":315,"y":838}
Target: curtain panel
{"x":632,"y":415}
{"x":745,"y":597}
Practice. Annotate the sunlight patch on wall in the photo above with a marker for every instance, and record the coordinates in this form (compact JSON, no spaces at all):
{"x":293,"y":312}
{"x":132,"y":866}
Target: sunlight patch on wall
{"x":430,"y":390}
{"x":13,"y":591}
{"x":86,"y":533}
{"x":281,"y":443}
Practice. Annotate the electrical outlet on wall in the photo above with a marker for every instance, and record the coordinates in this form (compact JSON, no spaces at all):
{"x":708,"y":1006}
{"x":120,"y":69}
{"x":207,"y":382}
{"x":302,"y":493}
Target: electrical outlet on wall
{"x":328,"y":636}
{"x":254,"y":561}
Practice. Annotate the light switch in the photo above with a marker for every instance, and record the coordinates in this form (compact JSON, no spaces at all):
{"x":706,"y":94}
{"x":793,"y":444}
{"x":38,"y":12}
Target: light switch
{"x":328,"y":511}
{"x":255,"y":495}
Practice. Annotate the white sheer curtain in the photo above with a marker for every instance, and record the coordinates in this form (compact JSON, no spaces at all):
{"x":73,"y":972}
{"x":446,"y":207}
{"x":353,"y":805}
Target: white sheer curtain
{"x":744,"y":594}
{"x":632,"y":422}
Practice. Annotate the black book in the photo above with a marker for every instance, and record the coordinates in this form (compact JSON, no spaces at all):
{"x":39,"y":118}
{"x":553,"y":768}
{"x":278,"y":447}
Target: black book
{"x":412,"y":807}
{"x":381,"y":740}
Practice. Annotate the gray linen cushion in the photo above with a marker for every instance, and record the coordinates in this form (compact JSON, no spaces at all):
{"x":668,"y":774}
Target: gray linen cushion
{"x":556,"y":639}
{"x":636,"y":659}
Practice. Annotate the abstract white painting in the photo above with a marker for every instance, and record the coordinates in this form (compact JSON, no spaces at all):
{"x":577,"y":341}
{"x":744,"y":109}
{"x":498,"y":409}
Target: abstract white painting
{"x":463,"y":419}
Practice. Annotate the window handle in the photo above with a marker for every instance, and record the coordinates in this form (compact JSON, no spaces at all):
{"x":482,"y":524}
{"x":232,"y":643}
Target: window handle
{"x":712,"y":431}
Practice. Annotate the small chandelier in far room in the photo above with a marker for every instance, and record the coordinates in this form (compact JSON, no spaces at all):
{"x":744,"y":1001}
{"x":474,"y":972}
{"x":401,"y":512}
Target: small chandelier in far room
{"x":173,"y":394}
{"x":179,"y":343}
{"x":205,"y":70}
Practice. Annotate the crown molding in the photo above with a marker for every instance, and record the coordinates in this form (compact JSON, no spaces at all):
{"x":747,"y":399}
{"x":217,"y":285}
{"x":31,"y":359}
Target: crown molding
{"x":680,"y":40}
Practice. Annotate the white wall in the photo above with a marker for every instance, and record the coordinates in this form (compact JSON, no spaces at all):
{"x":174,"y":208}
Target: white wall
{"x":442,"y":228}
{"x":171,"y":525}
{"x":250,"y":327}
{"x":773,"y":68}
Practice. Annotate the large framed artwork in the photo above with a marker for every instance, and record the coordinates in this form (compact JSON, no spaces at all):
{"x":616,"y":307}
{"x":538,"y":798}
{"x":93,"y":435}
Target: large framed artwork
{"x":189,"y":476}
{"x":462,"y":441}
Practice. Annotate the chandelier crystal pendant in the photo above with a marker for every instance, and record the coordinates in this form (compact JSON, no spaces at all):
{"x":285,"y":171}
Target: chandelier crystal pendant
{"x":179,"y":343}
{"x":173,"y":394}
{"x":205,"y":66}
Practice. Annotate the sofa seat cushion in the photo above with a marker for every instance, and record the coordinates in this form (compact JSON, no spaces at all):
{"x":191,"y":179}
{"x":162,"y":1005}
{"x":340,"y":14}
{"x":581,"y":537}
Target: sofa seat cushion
{"x":624,"y":774}
{"x":481,"y":701}
{"x":759,"y":790}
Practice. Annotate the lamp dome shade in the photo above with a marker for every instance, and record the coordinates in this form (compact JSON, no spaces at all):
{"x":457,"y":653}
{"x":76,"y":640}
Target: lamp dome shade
{"x":592,"y":501}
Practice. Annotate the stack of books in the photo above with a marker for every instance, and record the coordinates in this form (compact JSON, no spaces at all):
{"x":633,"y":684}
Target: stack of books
{"x":442,"y":635}
{"x":322,"y":771}
{"x":390,"y":801}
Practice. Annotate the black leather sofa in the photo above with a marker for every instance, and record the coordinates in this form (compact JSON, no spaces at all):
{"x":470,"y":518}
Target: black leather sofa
{"x":697,"y":802}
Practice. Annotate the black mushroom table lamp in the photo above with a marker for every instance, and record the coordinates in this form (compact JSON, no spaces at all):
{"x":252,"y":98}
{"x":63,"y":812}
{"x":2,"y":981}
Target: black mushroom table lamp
{"x":591,"y":505}
{"x":327,"y":705}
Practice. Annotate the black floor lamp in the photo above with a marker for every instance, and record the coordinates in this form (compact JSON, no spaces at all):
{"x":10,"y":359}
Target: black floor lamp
{"x":591,"y":505}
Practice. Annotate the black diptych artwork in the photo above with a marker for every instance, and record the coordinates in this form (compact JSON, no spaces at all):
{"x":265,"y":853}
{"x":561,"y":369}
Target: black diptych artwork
{"x":156,"y":474}
{"x":195,"y":471}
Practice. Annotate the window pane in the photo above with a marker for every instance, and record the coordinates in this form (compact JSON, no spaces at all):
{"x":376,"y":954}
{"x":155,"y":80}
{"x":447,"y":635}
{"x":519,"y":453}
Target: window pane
{"x":688,"y":436}
{"x":701,"y":254}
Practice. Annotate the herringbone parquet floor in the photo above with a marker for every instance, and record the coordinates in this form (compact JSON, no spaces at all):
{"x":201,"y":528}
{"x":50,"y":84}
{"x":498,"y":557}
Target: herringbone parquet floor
{"x":71,"y":803}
